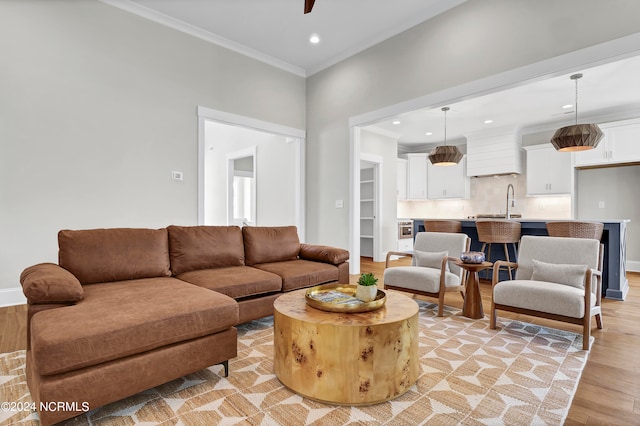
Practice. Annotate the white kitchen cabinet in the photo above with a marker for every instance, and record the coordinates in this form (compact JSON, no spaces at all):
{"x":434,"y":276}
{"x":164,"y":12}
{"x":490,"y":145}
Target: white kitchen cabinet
{"x":448,"y":181}
{"x":619,"y":145}
{"x":402,"y":178}
{"x":405,"y":244}
{"x":549,"y":172}
{"x":417,"y":176}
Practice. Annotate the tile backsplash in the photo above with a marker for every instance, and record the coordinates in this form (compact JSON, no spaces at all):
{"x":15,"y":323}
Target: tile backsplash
{"x":489,"y":196}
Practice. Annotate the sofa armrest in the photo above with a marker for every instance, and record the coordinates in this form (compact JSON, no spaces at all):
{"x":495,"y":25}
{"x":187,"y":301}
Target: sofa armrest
{"x":47,"y":283}
{"x":325,"y":254}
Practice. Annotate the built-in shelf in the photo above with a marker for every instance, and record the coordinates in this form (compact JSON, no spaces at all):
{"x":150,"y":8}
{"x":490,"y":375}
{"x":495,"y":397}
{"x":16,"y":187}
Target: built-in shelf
{"x":367,"y":209}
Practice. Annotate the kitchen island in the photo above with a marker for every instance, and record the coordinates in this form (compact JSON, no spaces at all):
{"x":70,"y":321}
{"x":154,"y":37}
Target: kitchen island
{"x":614,"y":276}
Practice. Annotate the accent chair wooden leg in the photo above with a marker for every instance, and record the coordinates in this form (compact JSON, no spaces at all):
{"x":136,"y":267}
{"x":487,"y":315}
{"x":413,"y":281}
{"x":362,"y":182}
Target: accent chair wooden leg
{"x":493,"y":317}
{"x":586,"y":334}
{"x":599,"y":321}
{"x":441,"y":304}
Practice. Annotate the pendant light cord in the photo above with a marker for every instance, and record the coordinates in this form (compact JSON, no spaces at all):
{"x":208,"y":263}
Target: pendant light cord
{"x":576,"y":77}
{"x":576,"y":101}
{"x":445,"y":109}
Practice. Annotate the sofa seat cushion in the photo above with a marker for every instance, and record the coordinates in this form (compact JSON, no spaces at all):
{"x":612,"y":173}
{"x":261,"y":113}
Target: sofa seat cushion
{"x":235,"y":281}
{"x":119,"y":319}
{"x":419,"y":278}
{"x":542,"y":296}
{"x":301,"y":273}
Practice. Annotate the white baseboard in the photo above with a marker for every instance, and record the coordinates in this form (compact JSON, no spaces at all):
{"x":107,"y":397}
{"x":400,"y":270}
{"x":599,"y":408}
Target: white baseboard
{"x":12,"y":297}
{"x":633,"y":265}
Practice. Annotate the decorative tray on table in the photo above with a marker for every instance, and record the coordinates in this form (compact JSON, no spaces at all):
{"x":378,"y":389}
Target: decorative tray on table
{"x":341,"y":298}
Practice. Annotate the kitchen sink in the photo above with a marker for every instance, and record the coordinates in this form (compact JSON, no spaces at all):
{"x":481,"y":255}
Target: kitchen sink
{"x":497,"y":216}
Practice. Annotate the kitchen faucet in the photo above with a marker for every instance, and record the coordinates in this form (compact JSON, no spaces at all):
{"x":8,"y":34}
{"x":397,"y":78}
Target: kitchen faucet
{"x":513,"y":201}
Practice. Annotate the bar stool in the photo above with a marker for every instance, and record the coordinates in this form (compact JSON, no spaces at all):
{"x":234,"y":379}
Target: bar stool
{"x":575,"y":229}
{"x":499,"y":232}
{"x":453,"y":226}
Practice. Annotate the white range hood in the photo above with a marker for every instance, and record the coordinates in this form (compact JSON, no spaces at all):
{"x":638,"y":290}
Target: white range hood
{"x":494,"y":152}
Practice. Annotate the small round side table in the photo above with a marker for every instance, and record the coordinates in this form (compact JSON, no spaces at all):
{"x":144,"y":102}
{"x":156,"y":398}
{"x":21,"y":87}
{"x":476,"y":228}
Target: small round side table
{"x":472,"y":307}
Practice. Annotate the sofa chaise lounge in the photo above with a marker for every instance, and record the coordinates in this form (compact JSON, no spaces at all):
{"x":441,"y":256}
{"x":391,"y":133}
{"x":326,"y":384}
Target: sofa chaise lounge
{"x":125,"y":310}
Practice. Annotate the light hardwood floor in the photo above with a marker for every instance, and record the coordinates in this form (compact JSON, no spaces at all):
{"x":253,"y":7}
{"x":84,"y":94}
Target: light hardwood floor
{"x":609,"y":390}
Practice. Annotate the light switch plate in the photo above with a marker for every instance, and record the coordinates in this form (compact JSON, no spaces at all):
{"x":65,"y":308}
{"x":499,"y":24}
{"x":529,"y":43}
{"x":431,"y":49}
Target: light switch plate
{"x":177,"y":176}
{"x":339,"y":204}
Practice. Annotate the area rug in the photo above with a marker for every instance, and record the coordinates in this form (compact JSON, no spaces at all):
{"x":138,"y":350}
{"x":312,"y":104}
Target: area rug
{"x":521,"y":374}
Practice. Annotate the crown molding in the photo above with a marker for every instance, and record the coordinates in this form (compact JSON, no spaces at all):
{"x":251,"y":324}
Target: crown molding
{"x":176,"y":24}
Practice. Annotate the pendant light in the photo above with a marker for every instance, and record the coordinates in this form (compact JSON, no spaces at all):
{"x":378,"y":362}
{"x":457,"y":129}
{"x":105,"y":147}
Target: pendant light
{"x":444,"y":155}
{"x":577,"y":137}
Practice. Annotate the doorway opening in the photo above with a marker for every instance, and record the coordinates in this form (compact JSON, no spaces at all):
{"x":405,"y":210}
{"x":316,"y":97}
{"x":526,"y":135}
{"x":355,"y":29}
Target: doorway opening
{"x":271,"y":191}
{"x":241,"y":188}
{"x":370,"y":207}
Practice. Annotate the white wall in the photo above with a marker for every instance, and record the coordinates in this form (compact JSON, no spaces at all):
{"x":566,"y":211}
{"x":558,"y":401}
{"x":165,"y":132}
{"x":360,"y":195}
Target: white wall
{"x":97,"y":107}
{"x":385,"y":147}
{"x":475,"y":40}
{"x":617,"y":187}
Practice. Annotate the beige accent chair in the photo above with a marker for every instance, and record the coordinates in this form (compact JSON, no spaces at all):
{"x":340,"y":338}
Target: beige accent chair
{"x":432,"y":271}
{"x":556,"y":278}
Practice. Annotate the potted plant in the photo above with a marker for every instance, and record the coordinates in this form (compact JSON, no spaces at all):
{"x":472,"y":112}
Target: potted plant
{"x":367,"y":290}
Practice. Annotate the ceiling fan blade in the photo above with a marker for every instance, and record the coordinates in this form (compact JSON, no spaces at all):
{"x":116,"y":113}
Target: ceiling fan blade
{"x":308,"y":5}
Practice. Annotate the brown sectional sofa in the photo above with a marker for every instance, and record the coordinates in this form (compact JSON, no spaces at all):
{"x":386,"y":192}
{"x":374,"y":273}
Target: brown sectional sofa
{"x":128,"y":309}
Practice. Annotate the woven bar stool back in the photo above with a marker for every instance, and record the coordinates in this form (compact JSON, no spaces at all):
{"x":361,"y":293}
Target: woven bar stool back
{"x":451,"y":226}
{"x":575,"y":229}
{"x":499,"y":232}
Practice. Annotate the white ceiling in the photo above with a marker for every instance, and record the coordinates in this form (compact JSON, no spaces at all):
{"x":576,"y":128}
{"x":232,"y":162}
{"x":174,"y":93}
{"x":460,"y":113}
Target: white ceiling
{"x":608,"y":92}
{"x":277,"y":32}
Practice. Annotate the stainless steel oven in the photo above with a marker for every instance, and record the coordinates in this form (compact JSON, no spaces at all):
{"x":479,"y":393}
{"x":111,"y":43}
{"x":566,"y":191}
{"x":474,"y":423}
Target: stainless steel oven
{"x":405,"y":229}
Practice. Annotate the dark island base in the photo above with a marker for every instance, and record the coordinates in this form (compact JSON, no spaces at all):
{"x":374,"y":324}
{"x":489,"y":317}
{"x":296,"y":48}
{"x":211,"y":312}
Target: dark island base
{"x":614,"y":279}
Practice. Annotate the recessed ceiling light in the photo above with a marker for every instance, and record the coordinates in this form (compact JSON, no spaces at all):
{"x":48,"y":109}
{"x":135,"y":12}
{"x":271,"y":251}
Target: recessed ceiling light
{"x":396,"y":122}
{"x":428,"y":133}
{"x":488,"y":121}
{"x":567,"y":106}
{"x":314,"y":39}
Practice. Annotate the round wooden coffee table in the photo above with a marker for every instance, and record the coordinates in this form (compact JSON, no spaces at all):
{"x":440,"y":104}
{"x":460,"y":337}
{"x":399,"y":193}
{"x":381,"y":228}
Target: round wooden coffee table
{"x":346,"y":358}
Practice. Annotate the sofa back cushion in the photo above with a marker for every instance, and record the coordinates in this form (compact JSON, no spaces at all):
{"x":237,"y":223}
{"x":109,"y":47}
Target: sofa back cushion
{"x":265,"y":244}
{"x":117,"y":254}
{"x":193,"y":248}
